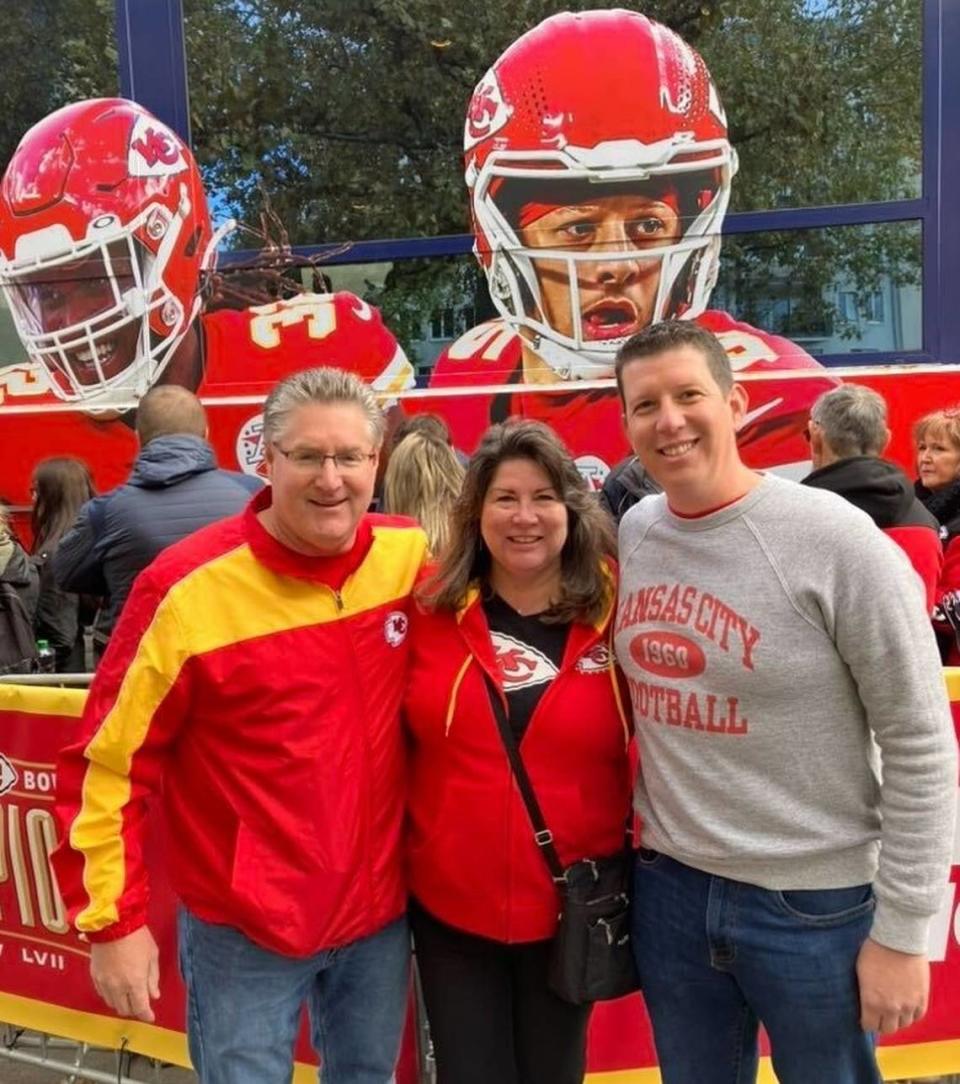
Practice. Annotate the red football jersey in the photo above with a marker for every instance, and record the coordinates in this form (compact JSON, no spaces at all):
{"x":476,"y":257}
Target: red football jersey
{"x":589,"y":420}
{"x":245,"y":352}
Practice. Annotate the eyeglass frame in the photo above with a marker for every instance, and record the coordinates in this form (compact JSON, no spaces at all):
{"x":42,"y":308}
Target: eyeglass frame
{"x":314,"y":461}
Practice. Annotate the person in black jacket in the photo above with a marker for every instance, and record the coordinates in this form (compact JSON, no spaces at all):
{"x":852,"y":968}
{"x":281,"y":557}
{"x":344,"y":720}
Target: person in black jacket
{"x":626,"y":484}
{"x":18,"y":602}
{"x":60,"y":487}
{"x":174,"y":489}
{"x":848,"y":432}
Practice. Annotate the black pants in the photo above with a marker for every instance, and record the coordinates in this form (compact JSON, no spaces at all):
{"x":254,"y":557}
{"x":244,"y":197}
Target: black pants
{"x":492,"y":1018}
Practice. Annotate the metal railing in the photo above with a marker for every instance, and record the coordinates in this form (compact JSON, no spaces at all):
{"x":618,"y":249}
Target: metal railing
{"x":72,"y":1061}
{"x":50,"y":681}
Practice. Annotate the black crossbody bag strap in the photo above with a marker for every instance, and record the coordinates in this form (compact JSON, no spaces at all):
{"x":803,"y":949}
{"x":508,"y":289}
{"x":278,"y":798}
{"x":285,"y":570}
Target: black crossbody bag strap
{"x":542,"y":835}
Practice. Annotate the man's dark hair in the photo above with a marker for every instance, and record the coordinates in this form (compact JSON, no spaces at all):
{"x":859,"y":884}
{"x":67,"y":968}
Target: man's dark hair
{"x":668,"y":335}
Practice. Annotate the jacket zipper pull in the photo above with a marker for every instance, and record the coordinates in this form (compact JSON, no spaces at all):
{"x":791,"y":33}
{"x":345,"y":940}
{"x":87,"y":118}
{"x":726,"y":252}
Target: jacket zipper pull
{"x":338,"y":599}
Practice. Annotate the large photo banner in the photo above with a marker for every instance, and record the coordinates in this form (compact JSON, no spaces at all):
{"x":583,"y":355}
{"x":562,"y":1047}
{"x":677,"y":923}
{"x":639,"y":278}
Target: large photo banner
{"x":44,"y":980}
{"x":590,"y":222}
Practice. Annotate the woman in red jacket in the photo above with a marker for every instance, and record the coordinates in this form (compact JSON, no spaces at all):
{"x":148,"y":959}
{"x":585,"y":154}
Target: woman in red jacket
{"x":520,"y":608}
{"x":937,"y":440}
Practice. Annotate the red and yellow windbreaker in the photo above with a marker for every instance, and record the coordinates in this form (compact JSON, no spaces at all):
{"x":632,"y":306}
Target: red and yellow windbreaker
{"x":259,"y":691}
{"x":471,"y":858}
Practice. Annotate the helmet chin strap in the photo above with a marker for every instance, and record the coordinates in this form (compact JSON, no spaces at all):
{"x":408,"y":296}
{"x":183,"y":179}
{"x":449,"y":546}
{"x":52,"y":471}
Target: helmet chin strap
{"x":571,"y":364}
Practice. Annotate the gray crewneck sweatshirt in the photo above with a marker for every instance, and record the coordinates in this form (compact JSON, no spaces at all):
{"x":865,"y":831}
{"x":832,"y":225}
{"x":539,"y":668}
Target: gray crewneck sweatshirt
{"x":766,"y":646}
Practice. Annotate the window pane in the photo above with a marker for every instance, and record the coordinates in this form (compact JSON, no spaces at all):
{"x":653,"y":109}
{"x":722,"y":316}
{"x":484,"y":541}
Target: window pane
{"x":830,"y":291}
{"x":351,"y":116}
{"x":823,"y":99}
{"x":11,"y":349}
{"x":833,"y":291}
{"x":53,"y":54}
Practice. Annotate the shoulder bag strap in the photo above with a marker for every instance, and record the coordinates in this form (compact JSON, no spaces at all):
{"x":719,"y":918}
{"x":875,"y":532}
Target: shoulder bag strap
{"x":542,"y":835}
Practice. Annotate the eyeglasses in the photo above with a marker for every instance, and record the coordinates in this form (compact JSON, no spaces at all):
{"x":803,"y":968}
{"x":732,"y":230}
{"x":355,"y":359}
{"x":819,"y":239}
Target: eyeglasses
{"x":309,"y":461}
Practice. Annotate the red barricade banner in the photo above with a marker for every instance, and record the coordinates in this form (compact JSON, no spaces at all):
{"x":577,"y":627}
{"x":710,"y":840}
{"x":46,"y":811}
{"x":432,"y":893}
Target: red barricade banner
{"x":44,"y":979}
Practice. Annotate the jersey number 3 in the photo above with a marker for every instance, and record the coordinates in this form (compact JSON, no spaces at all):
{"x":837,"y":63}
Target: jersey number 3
{"x":320,"y":318}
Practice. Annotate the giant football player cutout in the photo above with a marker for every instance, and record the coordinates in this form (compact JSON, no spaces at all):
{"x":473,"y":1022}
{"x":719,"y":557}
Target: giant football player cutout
{"x":599,"y":172}
{"x":106,"y":250}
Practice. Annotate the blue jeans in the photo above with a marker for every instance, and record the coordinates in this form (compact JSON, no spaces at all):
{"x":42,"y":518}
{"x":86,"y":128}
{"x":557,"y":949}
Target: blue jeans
{"x":716,"y":957}
{"x":244,"y":1004}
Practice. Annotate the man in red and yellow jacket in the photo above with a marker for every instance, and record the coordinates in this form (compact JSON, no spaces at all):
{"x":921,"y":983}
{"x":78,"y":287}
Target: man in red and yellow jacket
{"x":255,"y":679}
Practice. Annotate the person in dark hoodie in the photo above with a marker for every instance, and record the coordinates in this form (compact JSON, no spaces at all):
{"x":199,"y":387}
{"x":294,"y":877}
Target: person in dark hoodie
{"x":174,"y":489}
{"x":848,"y":433}
{"x":626,"y":484}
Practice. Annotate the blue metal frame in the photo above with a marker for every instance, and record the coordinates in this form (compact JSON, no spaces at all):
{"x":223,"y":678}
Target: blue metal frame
{"x":153,"y":71}
{"x":941,"y":173}
{"x":153,"y":60}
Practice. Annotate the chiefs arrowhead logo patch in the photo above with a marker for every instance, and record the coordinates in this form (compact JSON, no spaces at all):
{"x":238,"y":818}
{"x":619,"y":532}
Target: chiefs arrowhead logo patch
{"x":8,"y":775}
{"x":395,"y":628}
{"x":596,"y":660}
{"x":154,"y":150}
{"x":487,"y":112}
{"x":520,"y":664}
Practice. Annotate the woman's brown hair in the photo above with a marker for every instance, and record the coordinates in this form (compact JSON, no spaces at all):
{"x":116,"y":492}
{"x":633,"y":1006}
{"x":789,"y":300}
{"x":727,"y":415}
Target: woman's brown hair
{"x":585,"y":588}
{"x":61,"y":486}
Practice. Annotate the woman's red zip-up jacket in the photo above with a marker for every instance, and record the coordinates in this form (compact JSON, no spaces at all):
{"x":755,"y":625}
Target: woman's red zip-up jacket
{"x":471,"y":858}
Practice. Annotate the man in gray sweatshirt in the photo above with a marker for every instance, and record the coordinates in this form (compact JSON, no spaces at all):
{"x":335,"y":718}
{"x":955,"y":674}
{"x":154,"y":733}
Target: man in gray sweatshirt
{"x":778,"y":651}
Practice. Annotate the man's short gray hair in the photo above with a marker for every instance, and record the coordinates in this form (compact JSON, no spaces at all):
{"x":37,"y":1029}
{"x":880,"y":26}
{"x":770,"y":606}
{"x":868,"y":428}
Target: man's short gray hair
{"x":853,"y":420}
{"x":320,"y":386}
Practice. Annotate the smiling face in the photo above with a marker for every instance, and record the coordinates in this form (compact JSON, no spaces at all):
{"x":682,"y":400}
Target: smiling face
{"x":523,"y":522}
{"x":938,"y":459}
{"x":67,"y":299}
{"x":683,"y":428}
{"x":316,"y":504}
{"x":617,"y":289}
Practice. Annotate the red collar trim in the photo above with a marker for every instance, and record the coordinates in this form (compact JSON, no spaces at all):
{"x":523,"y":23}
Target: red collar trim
{"x":332,"y":571}
{"x":708,"y":511}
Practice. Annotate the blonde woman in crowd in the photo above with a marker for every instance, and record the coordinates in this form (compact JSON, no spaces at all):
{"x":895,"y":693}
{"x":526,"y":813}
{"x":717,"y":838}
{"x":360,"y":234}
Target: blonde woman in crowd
{"x":423,"y":480}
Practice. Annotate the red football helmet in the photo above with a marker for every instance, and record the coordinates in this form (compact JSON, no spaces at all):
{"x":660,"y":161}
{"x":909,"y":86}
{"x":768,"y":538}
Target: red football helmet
{"x":608,"y":100}
{"x":104,"y":231}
